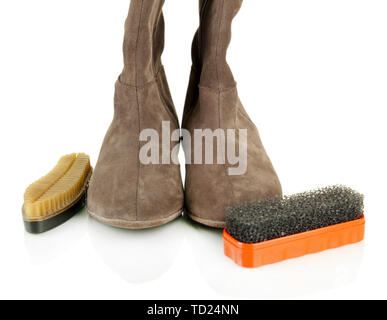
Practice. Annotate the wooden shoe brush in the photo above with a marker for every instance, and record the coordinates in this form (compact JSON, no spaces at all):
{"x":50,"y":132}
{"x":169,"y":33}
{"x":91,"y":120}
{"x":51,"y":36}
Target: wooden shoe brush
{"x":58,"y":196}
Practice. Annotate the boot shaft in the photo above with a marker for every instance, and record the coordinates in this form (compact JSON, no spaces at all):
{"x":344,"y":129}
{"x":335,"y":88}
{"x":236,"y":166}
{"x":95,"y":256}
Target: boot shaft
{"x":209,"y":51}
{"x":143,"y":42}
{"x":212,"y":41}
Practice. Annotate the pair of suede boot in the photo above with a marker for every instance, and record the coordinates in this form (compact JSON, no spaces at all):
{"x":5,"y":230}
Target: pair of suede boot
{"x":125,"y":192}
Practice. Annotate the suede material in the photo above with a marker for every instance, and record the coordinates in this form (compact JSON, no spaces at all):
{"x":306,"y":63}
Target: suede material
{"x":123,"y":192}
{"x":212,"y":102}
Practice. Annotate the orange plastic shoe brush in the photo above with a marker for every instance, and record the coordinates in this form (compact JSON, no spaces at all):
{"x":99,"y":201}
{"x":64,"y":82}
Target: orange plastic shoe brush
{"x":272,"y":230}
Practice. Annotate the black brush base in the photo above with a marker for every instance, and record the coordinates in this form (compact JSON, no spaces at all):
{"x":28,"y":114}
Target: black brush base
{"x":36,"y":227}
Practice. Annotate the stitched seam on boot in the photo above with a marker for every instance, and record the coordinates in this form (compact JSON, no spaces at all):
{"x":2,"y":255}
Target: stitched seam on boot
{"x":171,"y":114}
{"x":138,"y":110}
{"x":155,"y":80}
{"x":191,"y":214}
{"x":221,"y":7}
{"x":143,"y":85}
{"x":137,"y":86}
{"x":139,"y":221}
{"x":219,"y":90}
{"x":226,"y":166}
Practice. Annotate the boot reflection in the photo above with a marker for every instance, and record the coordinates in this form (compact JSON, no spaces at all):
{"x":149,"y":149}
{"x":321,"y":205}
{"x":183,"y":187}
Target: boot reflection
{"x":137,"y":256}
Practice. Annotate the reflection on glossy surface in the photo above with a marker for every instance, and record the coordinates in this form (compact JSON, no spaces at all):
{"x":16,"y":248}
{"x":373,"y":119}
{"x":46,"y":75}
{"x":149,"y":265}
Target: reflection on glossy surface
{"x":45,"y":247}
{"x":288,"y":279}
{"x":137,"y":255}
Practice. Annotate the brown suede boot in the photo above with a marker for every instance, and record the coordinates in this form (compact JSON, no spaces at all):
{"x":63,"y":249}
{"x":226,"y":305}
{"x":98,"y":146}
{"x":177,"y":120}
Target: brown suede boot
{"x":123,"y":191}
{"x":212,"y":102}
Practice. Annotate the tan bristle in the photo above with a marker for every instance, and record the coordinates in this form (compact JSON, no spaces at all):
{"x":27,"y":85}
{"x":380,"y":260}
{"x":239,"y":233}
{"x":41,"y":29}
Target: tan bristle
{"x":59,"y":188}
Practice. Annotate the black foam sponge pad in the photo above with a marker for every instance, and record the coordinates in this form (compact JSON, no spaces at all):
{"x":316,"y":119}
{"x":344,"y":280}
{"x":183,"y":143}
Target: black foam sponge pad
{"x":268,"y":219}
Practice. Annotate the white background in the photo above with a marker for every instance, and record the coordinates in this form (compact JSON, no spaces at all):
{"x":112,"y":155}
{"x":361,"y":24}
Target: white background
{"x":312,"y":75}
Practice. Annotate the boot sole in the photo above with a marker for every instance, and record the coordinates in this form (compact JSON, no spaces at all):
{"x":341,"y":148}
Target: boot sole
{"x":58,"y":196}
{"x":136,"y":225}
{"x":207,"y":222}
